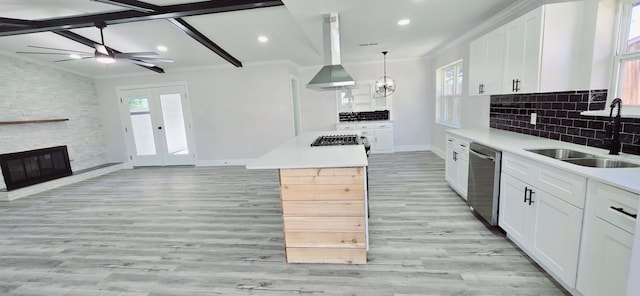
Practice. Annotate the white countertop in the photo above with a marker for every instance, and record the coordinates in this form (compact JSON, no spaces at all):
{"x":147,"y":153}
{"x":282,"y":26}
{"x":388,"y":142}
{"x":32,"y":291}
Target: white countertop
{"x":297,"y":153}
{"x":626,"y":178}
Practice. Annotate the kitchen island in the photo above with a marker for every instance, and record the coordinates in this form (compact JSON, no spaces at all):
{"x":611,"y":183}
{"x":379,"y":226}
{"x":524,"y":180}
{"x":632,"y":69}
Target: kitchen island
{"x":323,"y":195}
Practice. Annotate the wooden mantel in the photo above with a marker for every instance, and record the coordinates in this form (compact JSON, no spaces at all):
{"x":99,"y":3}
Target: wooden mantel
{"x":34,"y":121}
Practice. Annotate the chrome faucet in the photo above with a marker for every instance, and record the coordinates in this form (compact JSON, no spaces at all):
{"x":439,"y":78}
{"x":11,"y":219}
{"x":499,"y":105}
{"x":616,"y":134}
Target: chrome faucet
{"x":613,"y":130}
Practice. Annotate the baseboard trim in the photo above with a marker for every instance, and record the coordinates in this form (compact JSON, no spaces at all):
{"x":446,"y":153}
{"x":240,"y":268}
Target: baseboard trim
{"x":223,"y":162}
{"x":439,"y":152}
{"x":76,"y":177}
{"x":410,"y":148}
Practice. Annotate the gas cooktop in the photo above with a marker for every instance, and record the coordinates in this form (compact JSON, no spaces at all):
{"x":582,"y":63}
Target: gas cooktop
{"x":336,"y":140}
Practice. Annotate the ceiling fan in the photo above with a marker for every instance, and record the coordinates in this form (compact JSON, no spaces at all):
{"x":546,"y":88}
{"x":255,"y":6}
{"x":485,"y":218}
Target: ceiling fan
{"x":103,"y":54}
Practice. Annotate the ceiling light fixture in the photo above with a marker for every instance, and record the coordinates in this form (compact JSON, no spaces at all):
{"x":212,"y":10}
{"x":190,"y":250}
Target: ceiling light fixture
{"x":263,"y":39}
{"x":162,"y":48}
{"x":103,"y":58}
{"x":404,"y":22}
{"x":385,"y":86}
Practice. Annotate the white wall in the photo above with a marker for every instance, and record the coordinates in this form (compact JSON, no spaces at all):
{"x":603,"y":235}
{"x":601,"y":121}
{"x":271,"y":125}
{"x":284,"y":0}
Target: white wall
{"x":238,"y":113}
{"x":411,"y":104}
{"x":34,"y":92}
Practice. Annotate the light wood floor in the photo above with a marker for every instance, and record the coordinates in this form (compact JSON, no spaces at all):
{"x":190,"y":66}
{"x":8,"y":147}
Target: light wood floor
{"x":217,"y":231}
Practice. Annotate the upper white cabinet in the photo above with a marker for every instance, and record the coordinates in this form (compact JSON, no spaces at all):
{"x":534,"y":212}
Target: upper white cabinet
{"x":362,"y":97}
{"x":486,"y":62}
{"x":537,"y":52}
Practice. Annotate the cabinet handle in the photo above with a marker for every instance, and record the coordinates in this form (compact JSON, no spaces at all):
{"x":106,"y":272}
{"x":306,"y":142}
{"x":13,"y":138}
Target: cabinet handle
{"x":621,"y":210}
{"x":525,"y":193}
{"x":530,"y":199}
{"x":481,"y":88}
{"x":517,"y":85}
{"x":513,"y":85}
{"x":531,"y":196}
{"x":455,"y":156}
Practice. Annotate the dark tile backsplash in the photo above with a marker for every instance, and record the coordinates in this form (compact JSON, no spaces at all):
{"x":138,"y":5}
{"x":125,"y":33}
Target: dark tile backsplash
{"x":364,"y":116}
{"x":559,"y":118}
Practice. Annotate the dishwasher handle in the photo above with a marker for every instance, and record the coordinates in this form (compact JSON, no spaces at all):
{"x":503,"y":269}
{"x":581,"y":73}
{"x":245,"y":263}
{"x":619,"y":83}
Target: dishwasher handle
{"x":483,"y":156}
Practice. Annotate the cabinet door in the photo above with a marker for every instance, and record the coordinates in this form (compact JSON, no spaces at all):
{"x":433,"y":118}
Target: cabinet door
{"x":556,"y":235}
{"x":530,"y":72}
{"x":514,"y":212}
{"x":495,"y":62}
{"x":522,"y":53}
{"x":384,"y":140}
{"x":477,"y":65}
{"x":604,"y":266}
{"x":451,"y":165}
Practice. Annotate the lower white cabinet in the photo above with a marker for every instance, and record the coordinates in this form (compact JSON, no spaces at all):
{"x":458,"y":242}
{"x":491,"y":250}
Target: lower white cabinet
{"x":545,"y":226}
{"x":607,"y":240}
{"x":379,"y":135}
{"x":457,"y":164}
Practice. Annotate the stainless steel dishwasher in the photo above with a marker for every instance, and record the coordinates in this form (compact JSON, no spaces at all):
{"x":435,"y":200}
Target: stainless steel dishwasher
{"x":484,"y":181}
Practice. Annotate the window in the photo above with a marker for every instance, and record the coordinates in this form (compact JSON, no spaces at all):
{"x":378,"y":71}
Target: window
{"x":626,"y":82}
{"x":448,"y":93}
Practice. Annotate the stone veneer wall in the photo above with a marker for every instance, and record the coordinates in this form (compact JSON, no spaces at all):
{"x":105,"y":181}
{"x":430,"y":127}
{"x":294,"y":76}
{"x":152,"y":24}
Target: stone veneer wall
{"x":559,"y":118}
{"x":30,"y":92}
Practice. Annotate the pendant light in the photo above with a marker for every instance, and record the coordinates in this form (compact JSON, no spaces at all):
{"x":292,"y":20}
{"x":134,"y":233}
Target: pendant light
{"x":385,"y":86}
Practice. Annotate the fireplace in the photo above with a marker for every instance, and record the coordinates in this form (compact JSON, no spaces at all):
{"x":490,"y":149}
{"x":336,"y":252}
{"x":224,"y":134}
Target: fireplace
{"x":22,"y":169}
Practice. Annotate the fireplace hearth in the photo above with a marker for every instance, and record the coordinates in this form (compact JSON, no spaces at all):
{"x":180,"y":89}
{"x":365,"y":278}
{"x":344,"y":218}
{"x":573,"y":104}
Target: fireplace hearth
{"x":22,"y":169}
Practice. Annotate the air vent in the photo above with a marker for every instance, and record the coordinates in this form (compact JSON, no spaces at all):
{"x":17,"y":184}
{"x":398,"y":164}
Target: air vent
{"x":368,"y":44}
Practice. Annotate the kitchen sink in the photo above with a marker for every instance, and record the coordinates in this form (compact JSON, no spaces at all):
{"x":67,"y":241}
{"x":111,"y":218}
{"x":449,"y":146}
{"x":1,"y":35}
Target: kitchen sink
{"x":601,"y":163}
{"x":583,"y":159}
{"x":562,"y":154}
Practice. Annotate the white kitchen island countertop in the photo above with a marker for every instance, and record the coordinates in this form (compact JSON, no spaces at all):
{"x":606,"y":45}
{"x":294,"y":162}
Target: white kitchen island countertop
{"x":516,"y":143}
{"x":298,"y":153}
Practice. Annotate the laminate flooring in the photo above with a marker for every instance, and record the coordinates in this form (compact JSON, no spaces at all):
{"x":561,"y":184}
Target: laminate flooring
{"x":218,"y":231}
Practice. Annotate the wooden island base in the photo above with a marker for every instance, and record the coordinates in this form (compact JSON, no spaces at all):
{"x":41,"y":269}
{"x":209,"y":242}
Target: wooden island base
{"x":324,"y":214}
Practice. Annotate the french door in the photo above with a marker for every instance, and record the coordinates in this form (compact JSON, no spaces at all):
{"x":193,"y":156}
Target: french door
{"x":157,"y":125}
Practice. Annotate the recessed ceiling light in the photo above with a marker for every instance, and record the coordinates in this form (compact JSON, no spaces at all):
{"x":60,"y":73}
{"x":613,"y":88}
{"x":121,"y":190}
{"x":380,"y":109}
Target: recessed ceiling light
{"x":263,"y":39}
{"x":75,"y":56}
{"x":162,"y":48}
{"x":404,"y":22}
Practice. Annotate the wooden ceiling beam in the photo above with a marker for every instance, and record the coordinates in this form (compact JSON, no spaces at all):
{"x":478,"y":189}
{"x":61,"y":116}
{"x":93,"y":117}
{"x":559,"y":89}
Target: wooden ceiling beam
{"x":128,"y":16}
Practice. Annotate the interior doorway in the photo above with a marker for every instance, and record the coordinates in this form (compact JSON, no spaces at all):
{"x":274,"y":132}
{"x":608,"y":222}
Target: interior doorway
{"x":157,"y":125}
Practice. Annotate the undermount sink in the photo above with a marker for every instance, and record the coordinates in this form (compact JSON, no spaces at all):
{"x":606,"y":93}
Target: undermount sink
{"x":601,"y":163}
{"x":583,"y":159}
{"x":562,"y":153}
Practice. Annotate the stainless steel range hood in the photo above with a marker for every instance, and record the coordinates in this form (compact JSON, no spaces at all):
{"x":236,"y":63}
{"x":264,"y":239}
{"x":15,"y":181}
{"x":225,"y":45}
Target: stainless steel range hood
{"x":333,"y":75}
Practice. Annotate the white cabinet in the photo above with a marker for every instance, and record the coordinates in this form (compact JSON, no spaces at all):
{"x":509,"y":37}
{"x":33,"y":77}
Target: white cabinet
{"x":362,"y":97}
{"x":486,"y":62}
{"x":540,"y":52}
{"x":538,"y":214}
{"x":379,"y":134}
{"x":607,"y":240}
{"x":457,"y":164}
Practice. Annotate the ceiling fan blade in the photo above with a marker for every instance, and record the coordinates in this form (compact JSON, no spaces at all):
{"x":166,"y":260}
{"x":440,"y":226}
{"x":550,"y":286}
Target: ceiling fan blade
{"x":73,"y":59}
{"x":138,"y":62}
{"x":101,"y":49}
{"x":51,"y":48}
{"x":152,"y":59}
{"x":135,"y":54}
{"x":33,"y":52}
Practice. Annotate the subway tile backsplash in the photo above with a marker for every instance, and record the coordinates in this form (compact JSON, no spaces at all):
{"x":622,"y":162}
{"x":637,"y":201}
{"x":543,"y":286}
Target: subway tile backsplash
{"x":559,"y":118}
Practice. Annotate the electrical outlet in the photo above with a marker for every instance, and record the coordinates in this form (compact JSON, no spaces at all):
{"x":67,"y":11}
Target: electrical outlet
{"x":534,"y":118}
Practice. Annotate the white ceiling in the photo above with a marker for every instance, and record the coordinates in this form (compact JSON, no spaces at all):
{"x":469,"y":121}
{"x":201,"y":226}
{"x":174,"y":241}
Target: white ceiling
{"x":294,"y":31}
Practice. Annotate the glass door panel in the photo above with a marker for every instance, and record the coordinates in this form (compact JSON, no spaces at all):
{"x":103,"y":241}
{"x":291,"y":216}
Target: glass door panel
{"x":141,"y":126}
{"x":174,"y":129}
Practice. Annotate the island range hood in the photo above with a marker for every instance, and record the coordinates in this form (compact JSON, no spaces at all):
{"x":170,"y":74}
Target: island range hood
{"x":333,"y":75}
